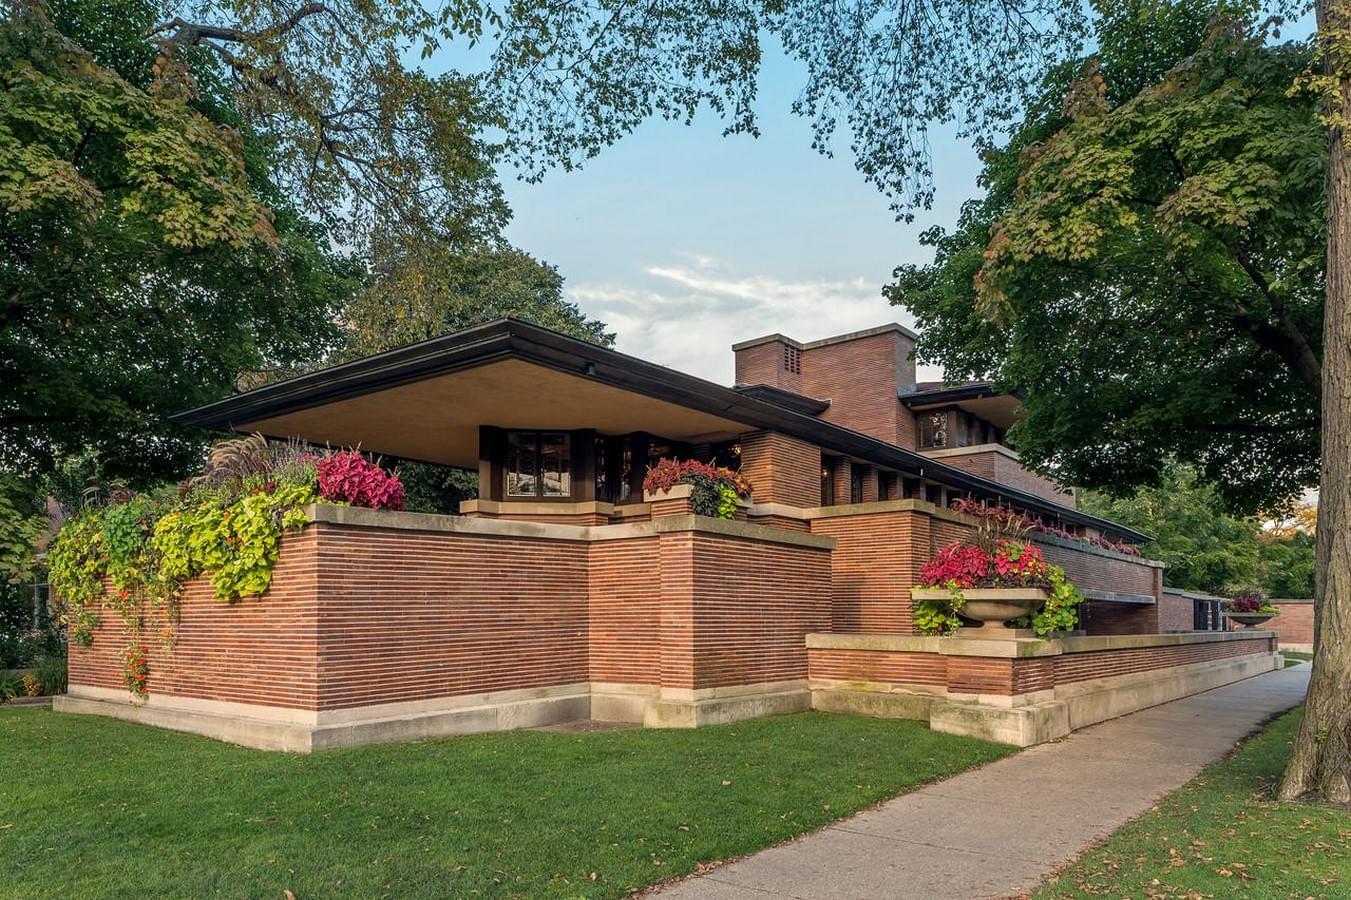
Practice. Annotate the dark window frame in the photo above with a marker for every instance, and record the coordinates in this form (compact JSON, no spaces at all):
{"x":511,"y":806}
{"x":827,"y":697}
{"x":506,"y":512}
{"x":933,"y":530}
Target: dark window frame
{"x":538,"y":494}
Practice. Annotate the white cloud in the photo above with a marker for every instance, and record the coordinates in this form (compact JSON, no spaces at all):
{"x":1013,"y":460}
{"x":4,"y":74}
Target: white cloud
{"x":688,"y":316}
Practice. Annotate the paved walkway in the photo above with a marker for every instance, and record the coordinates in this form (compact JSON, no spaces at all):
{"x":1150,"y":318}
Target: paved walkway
{"x":999,"y":830}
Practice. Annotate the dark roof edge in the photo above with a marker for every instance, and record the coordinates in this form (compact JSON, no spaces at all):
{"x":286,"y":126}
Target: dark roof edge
{"x":505,"y":338}
{"x":976,"y":391}
{"x":787,"y":399}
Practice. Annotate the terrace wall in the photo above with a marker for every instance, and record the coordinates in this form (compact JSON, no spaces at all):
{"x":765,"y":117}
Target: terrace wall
{"x":377,"y":616}
{"x":1025,"y":691}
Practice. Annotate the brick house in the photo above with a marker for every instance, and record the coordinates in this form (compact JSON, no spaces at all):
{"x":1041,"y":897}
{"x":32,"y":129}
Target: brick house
{"x":564,"y":592}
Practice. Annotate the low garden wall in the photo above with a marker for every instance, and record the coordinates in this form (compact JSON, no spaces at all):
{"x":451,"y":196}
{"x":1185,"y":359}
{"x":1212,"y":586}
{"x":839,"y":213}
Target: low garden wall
{"x":382,"y":626}
{"x":1023,"y":691}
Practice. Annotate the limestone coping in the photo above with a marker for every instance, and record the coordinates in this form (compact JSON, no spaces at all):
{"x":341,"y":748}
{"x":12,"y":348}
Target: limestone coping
{"x":970,"y":450}
{"x":1021,"y":648}
{"x":410,"y":521}
{"x":1119,"y":597}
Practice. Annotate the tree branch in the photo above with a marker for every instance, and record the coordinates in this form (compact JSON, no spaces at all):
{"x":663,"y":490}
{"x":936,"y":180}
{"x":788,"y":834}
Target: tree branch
{"x":191,"y":34}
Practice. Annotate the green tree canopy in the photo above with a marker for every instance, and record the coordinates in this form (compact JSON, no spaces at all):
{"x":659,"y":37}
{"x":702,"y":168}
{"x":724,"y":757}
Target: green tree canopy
{"x":146,"y":255}
{"x":1206,"y":548}
{"x":418,"y":290}
{"x":1147,"y":263}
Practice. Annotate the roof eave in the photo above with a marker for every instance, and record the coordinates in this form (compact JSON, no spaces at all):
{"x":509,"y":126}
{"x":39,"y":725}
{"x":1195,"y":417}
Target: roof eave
{"x":512,"y":338}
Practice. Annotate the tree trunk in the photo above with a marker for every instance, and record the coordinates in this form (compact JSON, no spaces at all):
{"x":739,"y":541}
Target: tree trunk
{"x":1320,"y":764}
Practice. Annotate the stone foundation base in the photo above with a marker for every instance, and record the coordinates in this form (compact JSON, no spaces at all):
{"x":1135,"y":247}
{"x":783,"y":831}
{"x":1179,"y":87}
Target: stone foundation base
{"x":304,"y":731}
{"x":1051,"y":714}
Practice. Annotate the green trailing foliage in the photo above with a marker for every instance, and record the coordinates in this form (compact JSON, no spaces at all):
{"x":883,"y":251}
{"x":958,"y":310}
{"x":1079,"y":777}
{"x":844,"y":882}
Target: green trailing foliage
{"x":134,"y":556}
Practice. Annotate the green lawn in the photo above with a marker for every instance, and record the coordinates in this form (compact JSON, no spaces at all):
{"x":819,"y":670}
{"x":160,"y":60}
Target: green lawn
{"x":92,"y":806}
{"x":1223,"y":836}
{"x":1296,"y":654}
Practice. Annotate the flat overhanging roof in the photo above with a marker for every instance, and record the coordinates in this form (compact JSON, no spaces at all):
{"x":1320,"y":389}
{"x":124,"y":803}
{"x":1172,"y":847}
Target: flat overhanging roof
{"x":999,"y":408}
{"x":426,"y":402}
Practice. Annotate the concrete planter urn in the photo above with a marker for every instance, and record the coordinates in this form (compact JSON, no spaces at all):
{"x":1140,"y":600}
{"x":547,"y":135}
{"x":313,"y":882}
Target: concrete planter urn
{"x":992,"y":607}
{"x":1250,"y":619}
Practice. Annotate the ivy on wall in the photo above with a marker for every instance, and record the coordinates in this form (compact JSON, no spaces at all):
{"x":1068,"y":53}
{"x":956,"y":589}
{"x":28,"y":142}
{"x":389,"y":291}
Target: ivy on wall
{"x":133,"y":557}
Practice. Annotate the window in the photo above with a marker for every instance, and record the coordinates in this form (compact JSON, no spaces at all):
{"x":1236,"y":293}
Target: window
{"x":933,"y":430}
{"x":856,"y":483}
{"x":886,"y":486}
{"x":539,"y":464}
{"x":827,"y":481}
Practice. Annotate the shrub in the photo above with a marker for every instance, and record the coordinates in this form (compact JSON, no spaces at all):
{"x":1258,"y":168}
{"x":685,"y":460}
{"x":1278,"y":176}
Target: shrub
{"x":1011,"y":564}
{"x":52,"y":675}
{"x":11,"y":685}
{"x":348,"y":477}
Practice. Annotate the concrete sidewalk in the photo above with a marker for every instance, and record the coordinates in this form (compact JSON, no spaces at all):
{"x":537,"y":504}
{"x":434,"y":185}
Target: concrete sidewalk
{"x":999,"y":830}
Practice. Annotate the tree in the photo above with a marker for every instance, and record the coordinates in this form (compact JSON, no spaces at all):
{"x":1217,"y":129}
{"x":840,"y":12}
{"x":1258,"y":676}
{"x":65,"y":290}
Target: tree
{"x":418,"y":290}
{"x":147,"y":256}
{"x":1320,"y":763}
{"x":361,"y":139}
{"x":1178,"y":228}
{"x":1205,"y":549}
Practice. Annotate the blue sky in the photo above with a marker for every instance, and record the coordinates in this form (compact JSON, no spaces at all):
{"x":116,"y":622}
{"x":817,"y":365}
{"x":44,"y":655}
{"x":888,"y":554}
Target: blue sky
{"x":685,"y":241}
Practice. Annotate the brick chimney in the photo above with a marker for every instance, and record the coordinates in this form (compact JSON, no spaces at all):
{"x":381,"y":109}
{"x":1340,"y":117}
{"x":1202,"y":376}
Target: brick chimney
{"x":861,"y":374}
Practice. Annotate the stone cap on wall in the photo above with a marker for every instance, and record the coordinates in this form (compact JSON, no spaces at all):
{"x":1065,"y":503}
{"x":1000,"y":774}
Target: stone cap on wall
{"x":351,"y":516}
{"x":1022,"y":648}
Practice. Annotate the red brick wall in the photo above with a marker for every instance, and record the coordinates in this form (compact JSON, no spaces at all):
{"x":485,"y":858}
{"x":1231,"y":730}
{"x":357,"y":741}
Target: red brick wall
{"x":763,"y":364}
{"x":362,"y":615}
{"x":1295,"y":623}
{"x":754,"y":604}
{"x":1106,"y":618}
{"x":1073,"y":667}
{"x":624,"y":612}
{"x":413,"y":615}
{"x":252,"y":651}
{"x":1176,"y":613}
{"x":1007,"y":677}
{"x":880,"y":666}
{"x":781,"y":469}
{"x":996,"y":466}
{"x":875,"y":563}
